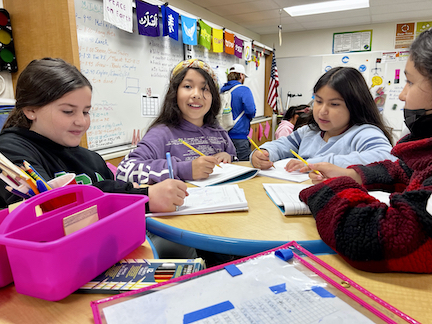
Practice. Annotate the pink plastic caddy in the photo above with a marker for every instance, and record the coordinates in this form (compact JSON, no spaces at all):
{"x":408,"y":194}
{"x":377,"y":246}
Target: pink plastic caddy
{"x":46,"y":263}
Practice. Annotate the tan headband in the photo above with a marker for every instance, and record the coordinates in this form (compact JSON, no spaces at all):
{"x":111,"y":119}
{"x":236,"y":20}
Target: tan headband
{"x":195,"y":63}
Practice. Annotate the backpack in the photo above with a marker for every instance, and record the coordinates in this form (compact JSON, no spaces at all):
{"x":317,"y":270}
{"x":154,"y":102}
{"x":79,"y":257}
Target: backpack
{"x":225,"y":116}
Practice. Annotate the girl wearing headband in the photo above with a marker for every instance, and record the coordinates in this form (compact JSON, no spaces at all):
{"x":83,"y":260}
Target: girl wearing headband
{"x":189,"y":113}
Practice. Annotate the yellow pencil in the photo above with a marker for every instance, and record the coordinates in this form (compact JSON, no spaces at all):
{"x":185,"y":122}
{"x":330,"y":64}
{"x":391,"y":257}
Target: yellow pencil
{"x":304,"y":161}
{"x":256,"y":146}
{"x":194,"y":149}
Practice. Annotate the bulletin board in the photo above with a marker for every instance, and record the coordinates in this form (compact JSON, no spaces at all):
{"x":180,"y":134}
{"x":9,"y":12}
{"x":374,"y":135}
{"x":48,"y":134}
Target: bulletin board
{"x":129,"y":74}
{"x":221,"y":62}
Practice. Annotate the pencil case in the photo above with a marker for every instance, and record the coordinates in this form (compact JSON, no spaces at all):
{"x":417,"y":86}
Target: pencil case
{"x":47,"y":264}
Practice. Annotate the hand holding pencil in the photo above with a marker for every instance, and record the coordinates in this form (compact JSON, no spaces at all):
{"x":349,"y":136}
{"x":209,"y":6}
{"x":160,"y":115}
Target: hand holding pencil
{"x":203,"y":166}
{"x":260,"y":159}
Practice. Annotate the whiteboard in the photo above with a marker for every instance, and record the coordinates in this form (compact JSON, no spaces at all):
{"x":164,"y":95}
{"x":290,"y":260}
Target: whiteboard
{"x":221,"y":62}
{"x":129,"y":74}
{"x":298,"y":75}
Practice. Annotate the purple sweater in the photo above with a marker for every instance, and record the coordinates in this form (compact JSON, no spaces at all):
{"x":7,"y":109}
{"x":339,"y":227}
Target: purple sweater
{"x":147,"y":163}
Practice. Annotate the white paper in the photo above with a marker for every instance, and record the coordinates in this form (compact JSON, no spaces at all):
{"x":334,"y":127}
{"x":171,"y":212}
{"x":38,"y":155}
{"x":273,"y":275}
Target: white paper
{"x":210,"y":200}
{"x":249,"y":293}
{"x":226,"y":171}
{"x":286,"y":195}
{"x":279,"y":172}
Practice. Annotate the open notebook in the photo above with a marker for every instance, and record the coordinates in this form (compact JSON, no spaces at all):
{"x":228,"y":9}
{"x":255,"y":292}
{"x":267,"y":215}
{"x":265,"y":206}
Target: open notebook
{"x":210,"y":200}
{"x":279,"y":172}
{"x":225,"y":174}
{"x":286,"y":197}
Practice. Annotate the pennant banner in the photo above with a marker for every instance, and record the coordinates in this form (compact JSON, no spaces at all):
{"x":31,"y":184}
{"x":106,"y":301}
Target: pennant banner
{"x":148,"y":19}
{"x":218,"y":40}
{"x":247,"y":49}
{"x":205,"y":35}
{"x":238,"y":49}
{"x":170,"y":22}
{"x":119,"y":14}
{"x":229,"y":43}
{"x":189,"y":30}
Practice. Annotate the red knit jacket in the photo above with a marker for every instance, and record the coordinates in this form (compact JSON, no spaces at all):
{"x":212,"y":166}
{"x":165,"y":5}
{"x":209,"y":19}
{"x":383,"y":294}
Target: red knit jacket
{"x":367,"y":233}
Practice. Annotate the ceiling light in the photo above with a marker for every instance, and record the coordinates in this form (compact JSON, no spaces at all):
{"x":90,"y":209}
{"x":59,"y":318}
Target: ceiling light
{"x":324,"y":7}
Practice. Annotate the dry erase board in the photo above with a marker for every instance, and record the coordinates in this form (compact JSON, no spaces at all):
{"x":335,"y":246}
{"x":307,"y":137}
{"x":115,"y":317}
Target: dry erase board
{"x":129,"y":74}
{"x":221,"y":62}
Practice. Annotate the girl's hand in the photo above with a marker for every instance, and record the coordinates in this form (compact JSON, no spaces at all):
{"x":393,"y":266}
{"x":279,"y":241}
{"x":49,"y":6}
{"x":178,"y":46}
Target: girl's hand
{"x":166,"y":195}
{"x":223,"y":157}
{"x":261,"y":160}
{"x":294,"y":165}
{"x":203,"y":166}
{"x":329,"y":170}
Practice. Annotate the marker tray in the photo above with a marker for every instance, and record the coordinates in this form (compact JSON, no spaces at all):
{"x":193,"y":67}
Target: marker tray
{"x":47,"y":264}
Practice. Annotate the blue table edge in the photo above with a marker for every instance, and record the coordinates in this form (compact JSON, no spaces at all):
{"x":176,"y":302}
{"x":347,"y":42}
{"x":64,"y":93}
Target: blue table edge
{"x":226,"y":245}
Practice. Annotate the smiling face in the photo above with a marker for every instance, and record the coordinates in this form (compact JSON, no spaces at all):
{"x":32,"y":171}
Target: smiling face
{"x":417,"y":93}
{"x":194,"y":97}
{"x":330,"y":112}
{"x":65,"y":120}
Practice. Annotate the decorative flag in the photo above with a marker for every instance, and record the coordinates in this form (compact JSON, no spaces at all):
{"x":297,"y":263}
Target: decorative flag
{"x":229,"y":43}
{"x":148,"y":19}
{"x":247,"y":51}
{"x":170,"y":22}
{"x":205,"y":35}
{"x":260,"y":132}
{"x":119,"y":14}
{"x":218,"y":40}
{"x":274,"y":83}
{"x":250,"y":132}
{"x":189,"y":30}
{"x":238,"y":47}
{"x":266,"y":129}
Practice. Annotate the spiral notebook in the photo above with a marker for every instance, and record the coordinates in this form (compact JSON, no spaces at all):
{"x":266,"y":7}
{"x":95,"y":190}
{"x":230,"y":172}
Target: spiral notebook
{"x":287,"y":284}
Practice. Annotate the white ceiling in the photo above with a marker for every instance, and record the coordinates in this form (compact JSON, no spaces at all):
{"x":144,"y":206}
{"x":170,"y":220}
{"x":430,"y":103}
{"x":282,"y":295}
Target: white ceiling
{"x":264,"y":16}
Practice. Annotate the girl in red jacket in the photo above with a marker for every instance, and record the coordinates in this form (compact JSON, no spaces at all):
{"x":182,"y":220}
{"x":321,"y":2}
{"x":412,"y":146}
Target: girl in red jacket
{"x":367,"y":233}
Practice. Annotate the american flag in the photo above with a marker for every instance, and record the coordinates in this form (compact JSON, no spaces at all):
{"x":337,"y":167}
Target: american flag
{"x":274,"y":83}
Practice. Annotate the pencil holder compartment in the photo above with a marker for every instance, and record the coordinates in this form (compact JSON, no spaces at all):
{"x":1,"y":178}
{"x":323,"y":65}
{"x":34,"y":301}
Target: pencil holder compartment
{"x":48,"y":264}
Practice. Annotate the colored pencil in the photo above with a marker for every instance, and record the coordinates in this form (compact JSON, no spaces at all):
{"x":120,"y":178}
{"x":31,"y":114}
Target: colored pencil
{"x":34,"y":174}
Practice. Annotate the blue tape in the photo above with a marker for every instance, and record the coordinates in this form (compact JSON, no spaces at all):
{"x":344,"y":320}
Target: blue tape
{"x":284,"y":254}
{"x":278,"y":288}
{"x":233,"y":270}
{"x":207,"y":312}
{"x":322,"y":292}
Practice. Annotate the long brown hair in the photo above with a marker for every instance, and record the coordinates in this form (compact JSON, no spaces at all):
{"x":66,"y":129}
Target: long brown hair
{"x":171,"y":115}
{"x":352,"y":86}
{"x":42,"y":82}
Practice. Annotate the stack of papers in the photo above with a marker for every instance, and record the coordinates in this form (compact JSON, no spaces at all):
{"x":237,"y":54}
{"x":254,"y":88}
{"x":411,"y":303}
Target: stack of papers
{"x":286,"y":197}
{"x":225,"y":174}
{"x":210,"y":200}
{"x":279,"y":172}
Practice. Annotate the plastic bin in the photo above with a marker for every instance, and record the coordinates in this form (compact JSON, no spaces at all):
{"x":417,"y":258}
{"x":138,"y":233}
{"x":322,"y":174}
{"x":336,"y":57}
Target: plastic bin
{"x":46,"y":263}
